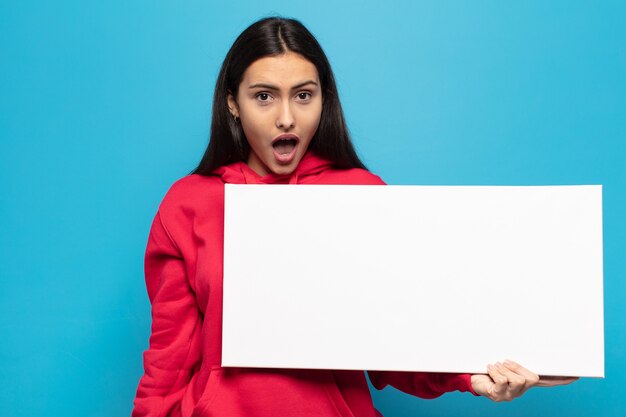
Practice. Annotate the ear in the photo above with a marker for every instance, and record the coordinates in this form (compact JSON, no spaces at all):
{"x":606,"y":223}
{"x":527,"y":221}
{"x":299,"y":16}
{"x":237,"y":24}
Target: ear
{"x":233,"y":107}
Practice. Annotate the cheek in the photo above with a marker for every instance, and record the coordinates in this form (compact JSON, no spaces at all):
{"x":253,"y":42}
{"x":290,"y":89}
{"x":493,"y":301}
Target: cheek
{"x":253,"y":124}
{"x":312,"y":119}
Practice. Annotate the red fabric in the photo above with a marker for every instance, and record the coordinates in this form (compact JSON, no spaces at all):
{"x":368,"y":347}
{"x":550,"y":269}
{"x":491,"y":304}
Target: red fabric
{"x":183,"y":267}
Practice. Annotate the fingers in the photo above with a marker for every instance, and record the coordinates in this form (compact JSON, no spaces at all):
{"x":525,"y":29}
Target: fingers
{"x":517,"y":383}
{"x":510,"y":380}
{"x":531,"y":378}
{"x":499,"y":391}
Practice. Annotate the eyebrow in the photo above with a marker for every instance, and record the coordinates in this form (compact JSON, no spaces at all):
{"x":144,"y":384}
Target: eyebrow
{"x":275,"y":88}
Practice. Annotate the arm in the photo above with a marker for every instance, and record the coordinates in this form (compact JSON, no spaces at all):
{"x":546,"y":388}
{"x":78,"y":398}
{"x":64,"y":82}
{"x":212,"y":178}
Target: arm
{"x":422,"y":384}
{"x":176,"y":323}
{"x":503,"y":382}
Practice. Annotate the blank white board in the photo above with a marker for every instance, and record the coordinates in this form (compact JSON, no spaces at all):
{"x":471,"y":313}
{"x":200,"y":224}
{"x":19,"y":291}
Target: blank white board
{"x":414,"y":278}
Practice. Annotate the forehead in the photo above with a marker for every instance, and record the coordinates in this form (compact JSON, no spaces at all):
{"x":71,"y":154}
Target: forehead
{"x":280,"y":70}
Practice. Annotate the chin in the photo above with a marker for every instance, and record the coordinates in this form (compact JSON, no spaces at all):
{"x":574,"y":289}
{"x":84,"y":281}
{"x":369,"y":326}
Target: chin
{"x":284,"y":169}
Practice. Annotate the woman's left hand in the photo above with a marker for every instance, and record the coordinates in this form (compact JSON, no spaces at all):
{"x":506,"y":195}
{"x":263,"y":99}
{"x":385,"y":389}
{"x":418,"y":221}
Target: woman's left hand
{"x":508,"y":380}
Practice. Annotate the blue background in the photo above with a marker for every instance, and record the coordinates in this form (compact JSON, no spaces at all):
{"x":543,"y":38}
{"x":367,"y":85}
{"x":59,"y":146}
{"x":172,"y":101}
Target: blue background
{"x":104,"y":104}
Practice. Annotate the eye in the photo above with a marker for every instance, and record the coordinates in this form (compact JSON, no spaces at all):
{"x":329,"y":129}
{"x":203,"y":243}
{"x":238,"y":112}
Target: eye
{"x":303,"y":96}
{"x":264,"y":97}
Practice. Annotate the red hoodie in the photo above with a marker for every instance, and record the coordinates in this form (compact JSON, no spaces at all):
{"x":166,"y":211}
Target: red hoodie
{"x":183,"y":268}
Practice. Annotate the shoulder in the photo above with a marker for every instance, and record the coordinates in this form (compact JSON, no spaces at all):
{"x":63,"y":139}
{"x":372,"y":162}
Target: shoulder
{"x":352,"y":176}
{"x":191,"y":193}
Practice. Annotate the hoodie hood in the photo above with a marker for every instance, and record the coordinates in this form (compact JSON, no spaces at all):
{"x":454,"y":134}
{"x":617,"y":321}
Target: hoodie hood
{"x":241,"y":173}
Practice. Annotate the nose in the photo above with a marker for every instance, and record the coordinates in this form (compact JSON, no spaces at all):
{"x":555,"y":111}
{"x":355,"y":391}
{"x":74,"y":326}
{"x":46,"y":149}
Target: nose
{"x":285,"y":118}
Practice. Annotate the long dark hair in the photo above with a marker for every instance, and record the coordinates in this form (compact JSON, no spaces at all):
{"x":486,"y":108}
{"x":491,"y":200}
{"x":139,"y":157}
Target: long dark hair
{"x":271,"y":37}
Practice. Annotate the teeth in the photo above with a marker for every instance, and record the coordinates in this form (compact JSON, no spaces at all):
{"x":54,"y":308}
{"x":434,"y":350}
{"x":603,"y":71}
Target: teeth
{"x":285,"y":146}
{"x":286,"y":140}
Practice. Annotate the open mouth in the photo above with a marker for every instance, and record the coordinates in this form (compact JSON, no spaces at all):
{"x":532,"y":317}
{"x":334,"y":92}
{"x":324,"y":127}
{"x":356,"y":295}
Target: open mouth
{"x":285,"y":146}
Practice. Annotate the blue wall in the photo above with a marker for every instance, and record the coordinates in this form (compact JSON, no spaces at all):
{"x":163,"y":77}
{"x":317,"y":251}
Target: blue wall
{"x":104,"y":104}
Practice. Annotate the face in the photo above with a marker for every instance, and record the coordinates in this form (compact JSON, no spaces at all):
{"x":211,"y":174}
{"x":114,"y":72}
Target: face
{"x":279,"y":103}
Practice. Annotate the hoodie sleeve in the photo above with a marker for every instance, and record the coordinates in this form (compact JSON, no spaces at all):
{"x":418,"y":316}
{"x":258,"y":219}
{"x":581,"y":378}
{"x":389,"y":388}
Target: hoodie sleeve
{"x":174,"y":349}
{"x":422,"y":384}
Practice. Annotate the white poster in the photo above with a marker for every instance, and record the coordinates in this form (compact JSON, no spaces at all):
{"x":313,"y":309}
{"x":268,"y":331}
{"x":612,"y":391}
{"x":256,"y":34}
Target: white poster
{"x":414,"y":278}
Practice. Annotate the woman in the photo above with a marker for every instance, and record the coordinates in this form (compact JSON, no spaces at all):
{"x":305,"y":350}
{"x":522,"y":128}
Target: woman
{"x":276,"y":119}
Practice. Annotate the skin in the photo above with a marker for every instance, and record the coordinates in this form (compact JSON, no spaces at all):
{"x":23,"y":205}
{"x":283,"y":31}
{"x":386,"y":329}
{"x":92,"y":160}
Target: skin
{"x":277,"y":95}
{"x":282,"y":94}
{"x":508,"y":380}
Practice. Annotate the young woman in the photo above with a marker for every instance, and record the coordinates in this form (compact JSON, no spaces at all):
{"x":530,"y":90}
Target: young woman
{"x":276,"y":119}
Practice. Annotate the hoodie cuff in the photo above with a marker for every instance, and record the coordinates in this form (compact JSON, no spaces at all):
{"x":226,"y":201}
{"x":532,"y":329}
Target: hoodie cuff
{"x":465,"y":384}
{"x":455,"y":382}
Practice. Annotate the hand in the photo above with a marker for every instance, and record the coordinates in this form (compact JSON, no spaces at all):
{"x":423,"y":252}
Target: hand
{"x":509,"y":380}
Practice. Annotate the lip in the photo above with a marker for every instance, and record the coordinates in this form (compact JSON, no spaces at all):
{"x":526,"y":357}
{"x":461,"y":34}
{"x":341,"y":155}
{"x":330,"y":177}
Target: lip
{"x":287,"y":158}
